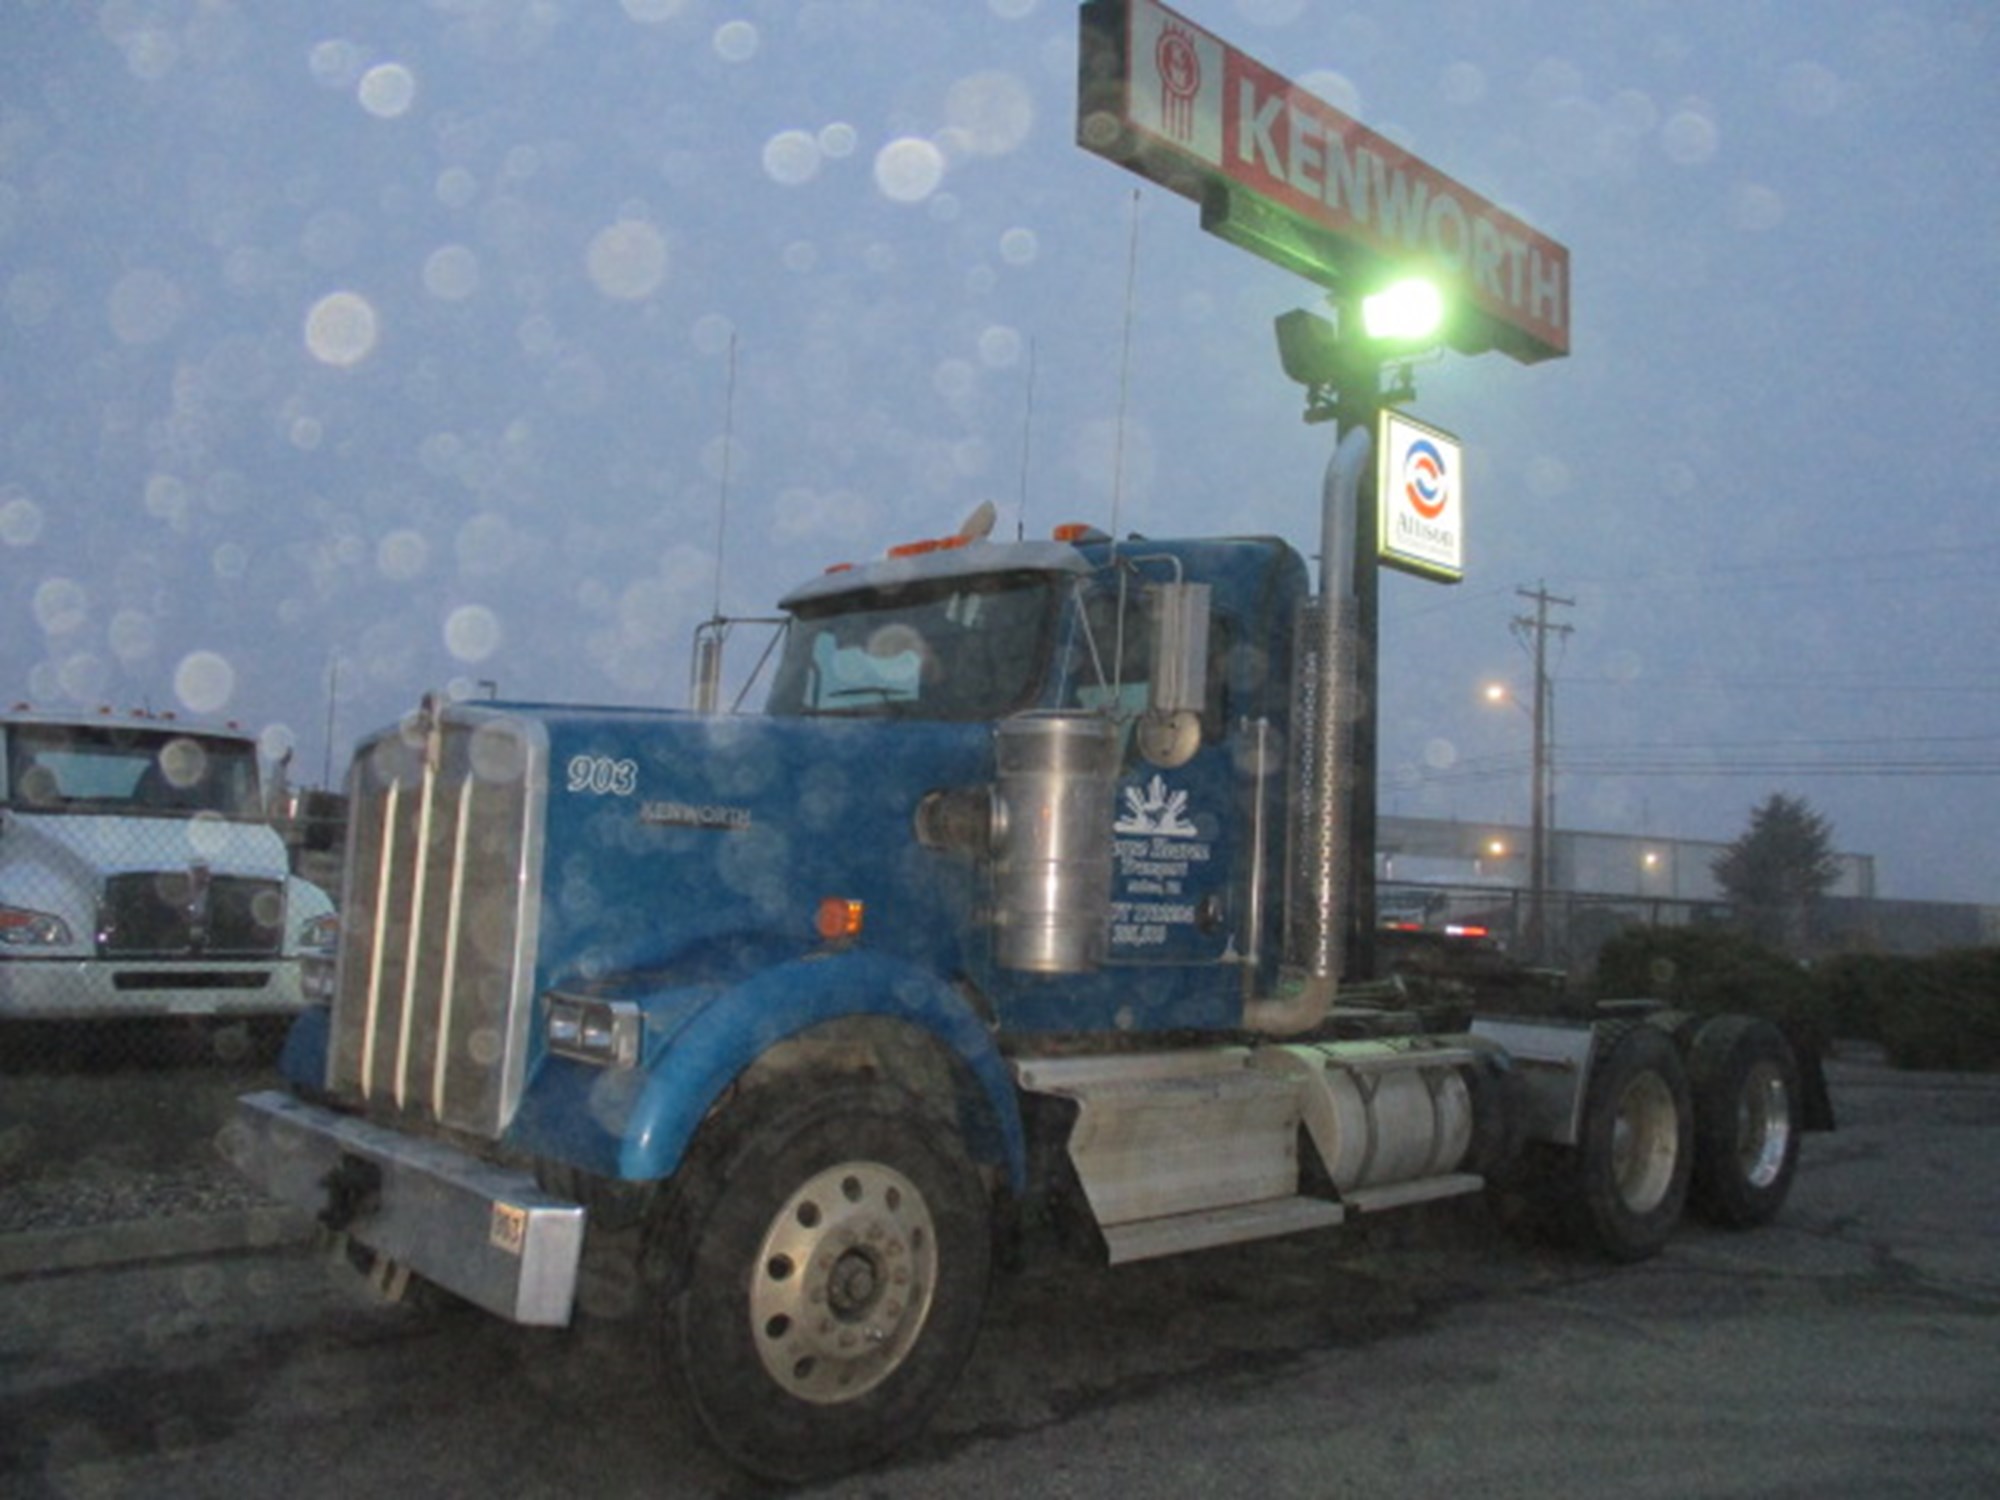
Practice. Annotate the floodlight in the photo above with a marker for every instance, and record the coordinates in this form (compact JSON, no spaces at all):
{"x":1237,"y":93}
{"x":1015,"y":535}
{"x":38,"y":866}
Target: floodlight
{"x":1404,"y":311}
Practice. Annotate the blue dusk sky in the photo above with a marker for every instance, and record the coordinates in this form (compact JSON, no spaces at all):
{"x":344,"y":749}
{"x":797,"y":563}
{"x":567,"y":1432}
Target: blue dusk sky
{"x":352,"y":350}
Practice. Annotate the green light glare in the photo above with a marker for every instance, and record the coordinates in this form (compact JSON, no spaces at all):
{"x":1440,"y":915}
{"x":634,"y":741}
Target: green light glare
{"x":1409,"y":309}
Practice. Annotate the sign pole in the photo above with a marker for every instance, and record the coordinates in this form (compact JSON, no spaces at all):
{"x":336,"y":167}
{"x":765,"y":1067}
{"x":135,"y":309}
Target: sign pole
{"x":1361,"y":805}
{"x":1358,"y":400}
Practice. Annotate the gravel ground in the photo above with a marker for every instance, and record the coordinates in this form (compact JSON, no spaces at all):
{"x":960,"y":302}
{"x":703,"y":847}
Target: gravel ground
{"x":87,"y":1199}
{"x":127,"y":1138}
{"x":137,"y":1141}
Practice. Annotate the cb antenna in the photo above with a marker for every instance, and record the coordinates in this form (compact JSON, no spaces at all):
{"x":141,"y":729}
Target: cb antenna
{"x":1027,"y":438}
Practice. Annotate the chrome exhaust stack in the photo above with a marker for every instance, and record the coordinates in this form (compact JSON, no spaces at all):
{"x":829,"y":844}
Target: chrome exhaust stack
{"x":1323,"y":709}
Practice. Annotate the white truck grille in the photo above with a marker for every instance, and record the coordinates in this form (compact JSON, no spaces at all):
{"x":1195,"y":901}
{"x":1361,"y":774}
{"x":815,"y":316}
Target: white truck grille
{"x":435,"y":998}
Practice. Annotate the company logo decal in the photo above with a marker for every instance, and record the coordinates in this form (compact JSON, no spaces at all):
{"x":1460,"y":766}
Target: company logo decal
{"x":1155,"y":811}
{"x":1161,"y":866}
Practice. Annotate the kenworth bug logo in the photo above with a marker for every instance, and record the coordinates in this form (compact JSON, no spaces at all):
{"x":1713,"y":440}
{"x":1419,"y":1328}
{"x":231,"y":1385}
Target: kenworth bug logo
{"x":1180,"y":80}
{"x":1177,"y":82}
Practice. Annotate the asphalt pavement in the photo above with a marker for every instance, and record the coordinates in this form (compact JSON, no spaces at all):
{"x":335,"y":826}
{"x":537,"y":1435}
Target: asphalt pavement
{"x":1850,"y":1349}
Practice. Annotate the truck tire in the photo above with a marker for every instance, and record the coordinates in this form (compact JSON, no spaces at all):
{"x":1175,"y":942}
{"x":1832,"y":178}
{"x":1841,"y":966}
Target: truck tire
{"x":1747,"y":1120}
{"x":834,"y":1252}
{"x":1634,"y":1157}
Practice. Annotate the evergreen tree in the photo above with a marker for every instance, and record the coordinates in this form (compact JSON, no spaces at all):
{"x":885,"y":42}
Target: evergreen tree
{"x":1775,"y":872}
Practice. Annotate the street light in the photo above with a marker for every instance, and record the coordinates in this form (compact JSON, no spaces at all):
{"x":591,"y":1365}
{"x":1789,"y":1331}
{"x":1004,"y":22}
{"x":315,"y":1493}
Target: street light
{"x":1339,"y":360}
{"x":1541,"y":798}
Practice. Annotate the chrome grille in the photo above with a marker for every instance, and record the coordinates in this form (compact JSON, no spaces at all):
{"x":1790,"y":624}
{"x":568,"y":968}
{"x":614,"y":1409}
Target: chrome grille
{"x":436,"y":970}
{"x":189,"y":912}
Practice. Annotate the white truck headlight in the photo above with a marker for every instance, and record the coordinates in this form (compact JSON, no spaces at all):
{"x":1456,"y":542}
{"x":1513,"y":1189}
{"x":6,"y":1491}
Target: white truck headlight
{"x":320,"y":934}
{"x":605,"y":1032}
{"x":21,"y":927}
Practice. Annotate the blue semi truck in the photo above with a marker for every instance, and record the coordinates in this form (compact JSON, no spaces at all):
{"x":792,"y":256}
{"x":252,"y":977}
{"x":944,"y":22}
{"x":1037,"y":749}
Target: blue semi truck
{"x":1022,"y":901}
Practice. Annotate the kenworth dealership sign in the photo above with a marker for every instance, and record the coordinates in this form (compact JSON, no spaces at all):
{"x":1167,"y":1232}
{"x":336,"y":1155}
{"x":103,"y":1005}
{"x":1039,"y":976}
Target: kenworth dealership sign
{"x":1286,"y":174}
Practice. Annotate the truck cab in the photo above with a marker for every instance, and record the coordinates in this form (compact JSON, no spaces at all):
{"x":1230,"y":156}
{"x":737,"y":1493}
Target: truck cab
{"x":964,"y":638}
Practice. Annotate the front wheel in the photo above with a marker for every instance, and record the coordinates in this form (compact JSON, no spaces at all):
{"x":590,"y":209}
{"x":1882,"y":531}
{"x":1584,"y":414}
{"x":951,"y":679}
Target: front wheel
{"x":837,"y":1252}
{"x":1746,"y":1120}
{"x":1633,"y":1160}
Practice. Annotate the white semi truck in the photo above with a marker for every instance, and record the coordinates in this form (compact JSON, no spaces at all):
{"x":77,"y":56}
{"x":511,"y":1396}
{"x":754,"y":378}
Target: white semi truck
{"x":139,"y":875}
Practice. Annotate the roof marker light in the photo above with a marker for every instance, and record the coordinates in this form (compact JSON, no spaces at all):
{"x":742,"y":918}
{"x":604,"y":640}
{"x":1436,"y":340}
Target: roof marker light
{"x":1075,"y":532}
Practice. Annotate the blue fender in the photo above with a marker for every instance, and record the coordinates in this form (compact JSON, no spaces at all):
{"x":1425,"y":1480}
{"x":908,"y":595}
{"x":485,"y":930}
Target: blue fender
{"x":701,"y":1038}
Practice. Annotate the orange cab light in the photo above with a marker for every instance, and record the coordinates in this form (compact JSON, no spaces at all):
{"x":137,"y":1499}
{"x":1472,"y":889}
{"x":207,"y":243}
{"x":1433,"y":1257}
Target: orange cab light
{"x":928,"y":544}
{"x":840,"y":567}
{"x":838,"y":918}
{"x":1076,"y":533}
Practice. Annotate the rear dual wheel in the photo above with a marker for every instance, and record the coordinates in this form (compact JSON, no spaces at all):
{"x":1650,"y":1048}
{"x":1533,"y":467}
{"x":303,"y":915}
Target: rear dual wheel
{"x":1634,"y":1156}
{"x":1747,"y":1120}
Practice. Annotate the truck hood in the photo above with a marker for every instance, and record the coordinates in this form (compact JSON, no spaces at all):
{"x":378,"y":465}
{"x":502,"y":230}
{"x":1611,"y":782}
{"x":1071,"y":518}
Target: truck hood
{"x":97,"y":846}
{"x":673,"y":835}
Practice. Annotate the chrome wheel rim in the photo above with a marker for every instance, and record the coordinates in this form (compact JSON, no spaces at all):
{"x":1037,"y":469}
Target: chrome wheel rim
{"x":1645,"y":1143}
{"x":843,"y":1282}
{"x":1763,"y":1125}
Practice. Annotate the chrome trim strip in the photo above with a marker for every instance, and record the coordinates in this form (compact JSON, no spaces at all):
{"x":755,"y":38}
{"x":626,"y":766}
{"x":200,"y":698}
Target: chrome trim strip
{"x":419,"y":892}
{"x":385,"y":869}
{"x":449,"y":982}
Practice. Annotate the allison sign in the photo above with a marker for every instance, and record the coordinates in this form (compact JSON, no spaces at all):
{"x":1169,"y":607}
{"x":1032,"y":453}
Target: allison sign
{"x":1286,"y":174}
{"x":1420,"y":496}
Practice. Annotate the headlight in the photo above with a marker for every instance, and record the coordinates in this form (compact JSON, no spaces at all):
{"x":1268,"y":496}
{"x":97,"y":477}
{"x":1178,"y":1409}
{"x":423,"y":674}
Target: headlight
{"x":605,"y":1032}
{"x":22,"y":928}
{"x":319,"y":934}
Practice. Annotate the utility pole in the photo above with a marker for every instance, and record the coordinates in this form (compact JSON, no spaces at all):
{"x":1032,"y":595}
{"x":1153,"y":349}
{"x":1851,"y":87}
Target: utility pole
{"x":1542,"y":791}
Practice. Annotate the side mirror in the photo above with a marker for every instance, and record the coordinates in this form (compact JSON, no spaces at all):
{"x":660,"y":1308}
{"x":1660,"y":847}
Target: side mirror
{"x":1169,"y":732}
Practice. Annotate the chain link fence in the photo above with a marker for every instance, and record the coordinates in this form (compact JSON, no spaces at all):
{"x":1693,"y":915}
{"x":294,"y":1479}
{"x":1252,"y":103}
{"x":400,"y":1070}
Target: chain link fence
{"x":1557,"y":930}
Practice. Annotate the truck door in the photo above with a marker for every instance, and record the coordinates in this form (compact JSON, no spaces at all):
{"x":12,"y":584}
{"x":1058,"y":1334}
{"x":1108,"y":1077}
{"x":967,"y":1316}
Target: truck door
{"x":1176,"y":828}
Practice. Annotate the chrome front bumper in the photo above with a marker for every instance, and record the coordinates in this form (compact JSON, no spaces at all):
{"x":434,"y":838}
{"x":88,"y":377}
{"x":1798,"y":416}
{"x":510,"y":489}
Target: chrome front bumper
{"x":484,"y":1232}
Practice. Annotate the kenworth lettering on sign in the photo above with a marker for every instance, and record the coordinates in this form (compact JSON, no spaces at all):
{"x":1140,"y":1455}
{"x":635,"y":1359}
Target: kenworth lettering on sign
{"x":1287,"y":173}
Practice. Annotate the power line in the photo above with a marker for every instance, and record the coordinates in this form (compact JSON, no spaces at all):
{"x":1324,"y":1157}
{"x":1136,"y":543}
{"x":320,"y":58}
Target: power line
{"x":1695,"y":764}
{"x":1724,"y":577}
{"x":1817,"y":683}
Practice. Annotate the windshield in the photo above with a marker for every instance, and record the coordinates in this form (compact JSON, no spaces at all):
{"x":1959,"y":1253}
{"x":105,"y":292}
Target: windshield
{"x":84,"y":768}
{"x":963,"y":648}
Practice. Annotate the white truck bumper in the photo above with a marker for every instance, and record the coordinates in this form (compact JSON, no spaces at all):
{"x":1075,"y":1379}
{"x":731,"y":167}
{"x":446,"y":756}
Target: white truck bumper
{"x":93,"y":989}
{"x":487,"y":1233}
